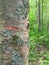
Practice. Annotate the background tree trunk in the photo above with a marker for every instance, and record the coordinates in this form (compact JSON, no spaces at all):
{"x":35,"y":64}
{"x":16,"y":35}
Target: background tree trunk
{"x":38,"y":15}
{"x":42,"y":15}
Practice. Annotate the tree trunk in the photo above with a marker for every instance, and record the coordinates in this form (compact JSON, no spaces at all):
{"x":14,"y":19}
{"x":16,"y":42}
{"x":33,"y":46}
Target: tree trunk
{"x":42,"y":15}
{"x":38,"y":15}
{"x":14,"y":33}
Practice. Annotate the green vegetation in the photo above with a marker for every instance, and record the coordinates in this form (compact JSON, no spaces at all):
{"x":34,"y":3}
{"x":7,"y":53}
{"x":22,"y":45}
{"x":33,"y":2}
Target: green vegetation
{"x":39,"y":32}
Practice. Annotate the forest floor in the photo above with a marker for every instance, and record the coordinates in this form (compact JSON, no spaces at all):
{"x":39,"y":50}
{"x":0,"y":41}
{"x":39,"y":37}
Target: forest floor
{"x":41,"y":55}
{"x":39,"y":47}
{"x":39,"y":52}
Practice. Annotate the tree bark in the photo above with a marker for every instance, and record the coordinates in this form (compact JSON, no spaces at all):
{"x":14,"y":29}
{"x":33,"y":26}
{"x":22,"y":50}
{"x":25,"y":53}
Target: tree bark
{"x":38,"y":15}
{"x":42,"y":15}
{"x":15,"y":24}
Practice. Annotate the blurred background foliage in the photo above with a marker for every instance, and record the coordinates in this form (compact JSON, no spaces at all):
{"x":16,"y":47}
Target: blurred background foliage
{"x":39,"y":32}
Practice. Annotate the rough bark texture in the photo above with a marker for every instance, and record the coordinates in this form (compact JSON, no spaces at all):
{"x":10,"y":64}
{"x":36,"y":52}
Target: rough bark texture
{"x":14,"y":32}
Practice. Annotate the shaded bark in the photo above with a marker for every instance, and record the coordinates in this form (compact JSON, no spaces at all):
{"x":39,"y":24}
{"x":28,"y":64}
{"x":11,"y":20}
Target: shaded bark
{"x":42,"y":15}
{"x":38,"y":15}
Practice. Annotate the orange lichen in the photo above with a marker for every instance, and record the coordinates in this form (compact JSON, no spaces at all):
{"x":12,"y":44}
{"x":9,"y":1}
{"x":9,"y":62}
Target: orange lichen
{"x":12,"y":28}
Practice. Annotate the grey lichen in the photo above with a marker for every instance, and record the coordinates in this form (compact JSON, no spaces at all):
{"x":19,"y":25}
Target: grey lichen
{"x":15,"y":8}
{"x":16,"y":58}
{"x":12,"y":54}
{"x":15,"y":40}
